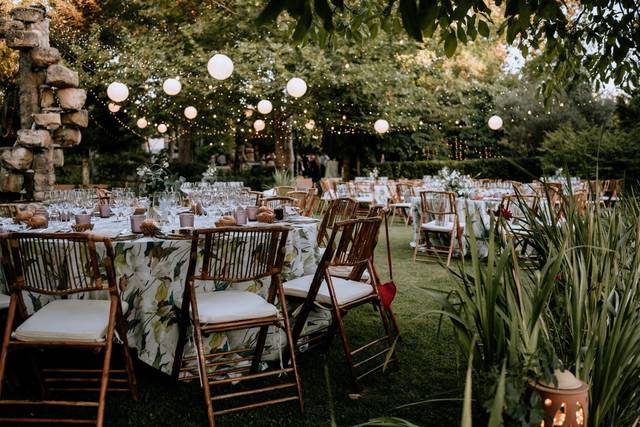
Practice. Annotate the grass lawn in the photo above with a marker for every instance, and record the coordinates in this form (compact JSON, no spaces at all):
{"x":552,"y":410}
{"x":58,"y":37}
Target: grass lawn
{"x":429,"y":369}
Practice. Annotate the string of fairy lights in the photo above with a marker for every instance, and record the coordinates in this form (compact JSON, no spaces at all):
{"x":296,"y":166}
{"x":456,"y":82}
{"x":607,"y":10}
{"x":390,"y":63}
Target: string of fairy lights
{"x":232,"y":126}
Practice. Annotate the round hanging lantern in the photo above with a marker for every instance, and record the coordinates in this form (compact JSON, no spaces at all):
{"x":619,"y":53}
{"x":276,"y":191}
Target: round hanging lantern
{"x":258,"y":125}
{"x":565,"y":405}
{"x":114,"y":108}
{"x":310,"y":124}
{"x":220,"y":66}
{"x":381,"y":126}
{"x":190,"y":112}
{"x":171,"y":87}
{"x":296,"y":87}
{"x":265,"y":106}
{"x":142,"y":123}
{"x":495,"y":122}
{"x":117,"y":92}
{"x":162,"y":128}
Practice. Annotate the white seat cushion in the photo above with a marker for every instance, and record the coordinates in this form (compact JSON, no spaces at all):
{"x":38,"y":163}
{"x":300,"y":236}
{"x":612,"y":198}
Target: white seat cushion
{"x":67,"y":320}
{"x":231,"y":306}
{"x":401,"y":205}
{"x":4,"y":301}
{"x":345,"y":270}
{"x":346,"y":290}
{"x":447,"y":227}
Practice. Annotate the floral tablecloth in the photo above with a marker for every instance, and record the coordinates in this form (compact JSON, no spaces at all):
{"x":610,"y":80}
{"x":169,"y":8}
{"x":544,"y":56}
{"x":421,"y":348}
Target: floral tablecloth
{"x":151,"y":274}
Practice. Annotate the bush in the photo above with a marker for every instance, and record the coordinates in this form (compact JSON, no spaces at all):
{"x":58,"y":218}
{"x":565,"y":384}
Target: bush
{"x":587,"y":152}
{"x":522,"y":169}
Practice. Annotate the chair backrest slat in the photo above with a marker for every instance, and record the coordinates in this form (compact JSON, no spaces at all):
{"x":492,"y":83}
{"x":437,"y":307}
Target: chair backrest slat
{"x":339,"y":210}
{"x":238,"y":254}
{"x":60,"y":264}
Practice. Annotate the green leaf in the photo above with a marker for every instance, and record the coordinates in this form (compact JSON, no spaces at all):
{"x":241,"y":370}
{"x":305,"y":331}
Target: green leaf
{"x":428,"y":13}
{"x":409,"y":13}
{"x":270,"y":11}
{"x":495,"y":418}
{"x":325,"y":13}
{"x":450,"y":44}
{"x":338,"y":3}
{"x":483,"y":28}
{"x":303,"y":24}
{"x":468,"y":398}
{"x":461,"y":34}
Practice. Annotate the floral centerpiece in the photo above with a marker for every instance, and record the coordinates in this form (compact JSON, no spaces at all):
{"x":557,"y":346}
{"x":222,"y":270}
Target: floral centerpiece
{"x":210,"y":175}
{"x":154,"y":176}
{"x":373,"y":175}
{"x":455,"y":182}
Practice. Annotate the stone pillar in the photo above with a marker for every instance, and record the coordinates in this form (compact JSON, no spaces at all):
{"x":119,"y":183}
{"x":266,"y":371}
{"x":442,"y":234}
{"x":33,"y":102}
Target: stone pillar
{"x":51,"y":106}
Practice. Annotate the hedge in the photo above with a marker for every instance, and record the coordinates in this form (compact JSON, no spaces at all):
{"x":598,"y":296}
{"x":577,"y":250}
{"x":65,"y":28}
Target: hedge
{"x":520,"y":169}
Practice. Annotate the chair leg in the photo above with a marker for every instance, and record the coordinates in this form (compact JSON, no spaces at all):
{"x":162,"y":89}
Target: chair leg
{"x":5,"y":340}
{"x":202,"y":366}
{"x":450,"y":249}
{"x":460,"y":247}
{"x":257,"y":355}
{"x":347,"y":348}
{"x":387,"y":330}
{"x":291,"y":345}
{"x":128,"y":360}
{"x":106,"y":364}
{"x":415,"y":250}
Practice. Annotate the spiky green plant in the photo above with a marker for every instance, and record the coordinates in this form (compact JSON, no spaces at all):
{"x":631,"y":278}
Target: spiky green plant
{"x":283,"y":178}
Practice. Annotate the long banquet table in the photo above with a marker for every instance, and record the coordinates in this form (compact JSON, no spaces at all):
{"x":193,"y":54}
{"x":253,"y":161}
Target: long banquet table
{"x":151,"y":274}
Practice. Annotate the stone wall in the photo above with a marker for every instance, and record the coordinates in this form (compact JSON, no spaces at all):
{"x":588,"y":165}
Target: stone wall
{"x":51,"y":106}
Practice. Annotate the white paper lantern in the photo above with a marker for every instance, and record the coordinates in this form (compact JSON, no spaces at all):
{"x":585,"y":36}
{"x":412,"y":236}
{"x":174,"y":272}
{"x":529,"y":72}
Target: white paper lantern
{"x":258,"y":125}
{"x":265,"y":106}
{"x":171,"y":87}
{"x":162,"y":128}
{"x":142,"y":123}
{"x":117,"y":92}
{"x":296,"y":87}
{"x":310,"y":124}
{"x":190,"y":112}
{"x":495,"y":122}
{"x":381,"y":125}
{"x":220,"y":66}
{"x":114,"y":108}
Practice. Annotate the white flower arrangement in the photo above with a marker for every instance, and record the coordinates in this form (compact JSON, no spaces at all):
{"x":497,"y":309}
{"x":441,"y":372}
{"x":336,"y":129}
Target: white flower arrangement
{"x":154,"y":175}
{"x":456,"y":182}
{"x":373,"y":175}
{"x":210,"y":175}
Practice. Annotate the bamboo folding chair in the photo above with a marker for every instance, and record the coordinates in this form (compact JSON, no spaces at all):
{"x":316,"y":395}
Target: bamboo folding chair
{"x":401,"y":203}
{"x":62,"y":266}
{"x":354,"y":249}
{"x":439,"y":216}
{"x":517,"y":227}
{"x":611,"y":191}
{"x":301,"y":198}
{"x":234,"y":255}
{"x":283,"y":190}
{"x":279,"y":201}
{"x":312,"y":202}
{"x":338,"y":210}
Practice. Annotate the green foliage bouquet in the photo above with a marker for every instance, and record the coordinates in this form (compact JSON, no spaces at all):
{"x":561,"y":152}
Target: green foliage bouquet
{"x":455,"y":182}
{"x":153,"y":177}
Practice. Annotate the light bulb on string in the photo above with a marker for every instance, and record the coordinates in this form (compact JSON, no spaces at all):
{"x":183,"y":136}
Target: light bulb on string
{"x":296,"y":87}
{"x":190,"y":112}
{"x":172,"y":87}
{"x":162,"y":128}
{"x":142,"y":123}
{"x":220,"y":66}
{"x":117,"y":92}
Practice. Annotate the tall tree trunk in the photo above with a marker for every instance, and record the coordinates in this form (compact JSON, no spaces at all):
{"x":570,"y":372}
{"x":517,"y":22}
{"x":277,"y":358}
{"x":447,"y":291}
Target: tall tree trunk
{"x":185,"y":146}
{"x":280,"y":134}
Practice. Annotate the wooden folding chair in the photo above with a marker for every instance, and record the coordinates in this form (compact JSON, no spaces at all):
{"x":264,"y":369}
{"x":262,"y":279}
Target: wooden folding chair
{"x":517,"y":226}
{"x":282,"y":190}
{"x":312,"y":202}
{"x":7,"y":210}
{"x":338,"y":210}
{"x":301,"y":198}
{"x":279,"y":201}
{"x":234,"y":255}
{"x":63,"y":266}
{"x":439,"y":216}
{"x":402,"y":202}
{"x":354,"y":249}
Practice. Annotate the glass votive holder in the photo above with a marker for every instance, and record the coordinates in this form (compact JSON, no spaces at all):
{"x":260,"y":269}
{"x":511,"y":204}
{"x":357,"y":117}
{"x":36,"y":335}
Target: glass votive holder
{"x":83,"y":219}
{"x":136,"y":223}
{"x":252,"y":213}
{"x":105,"y":210}
{"x":187,"y":220}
